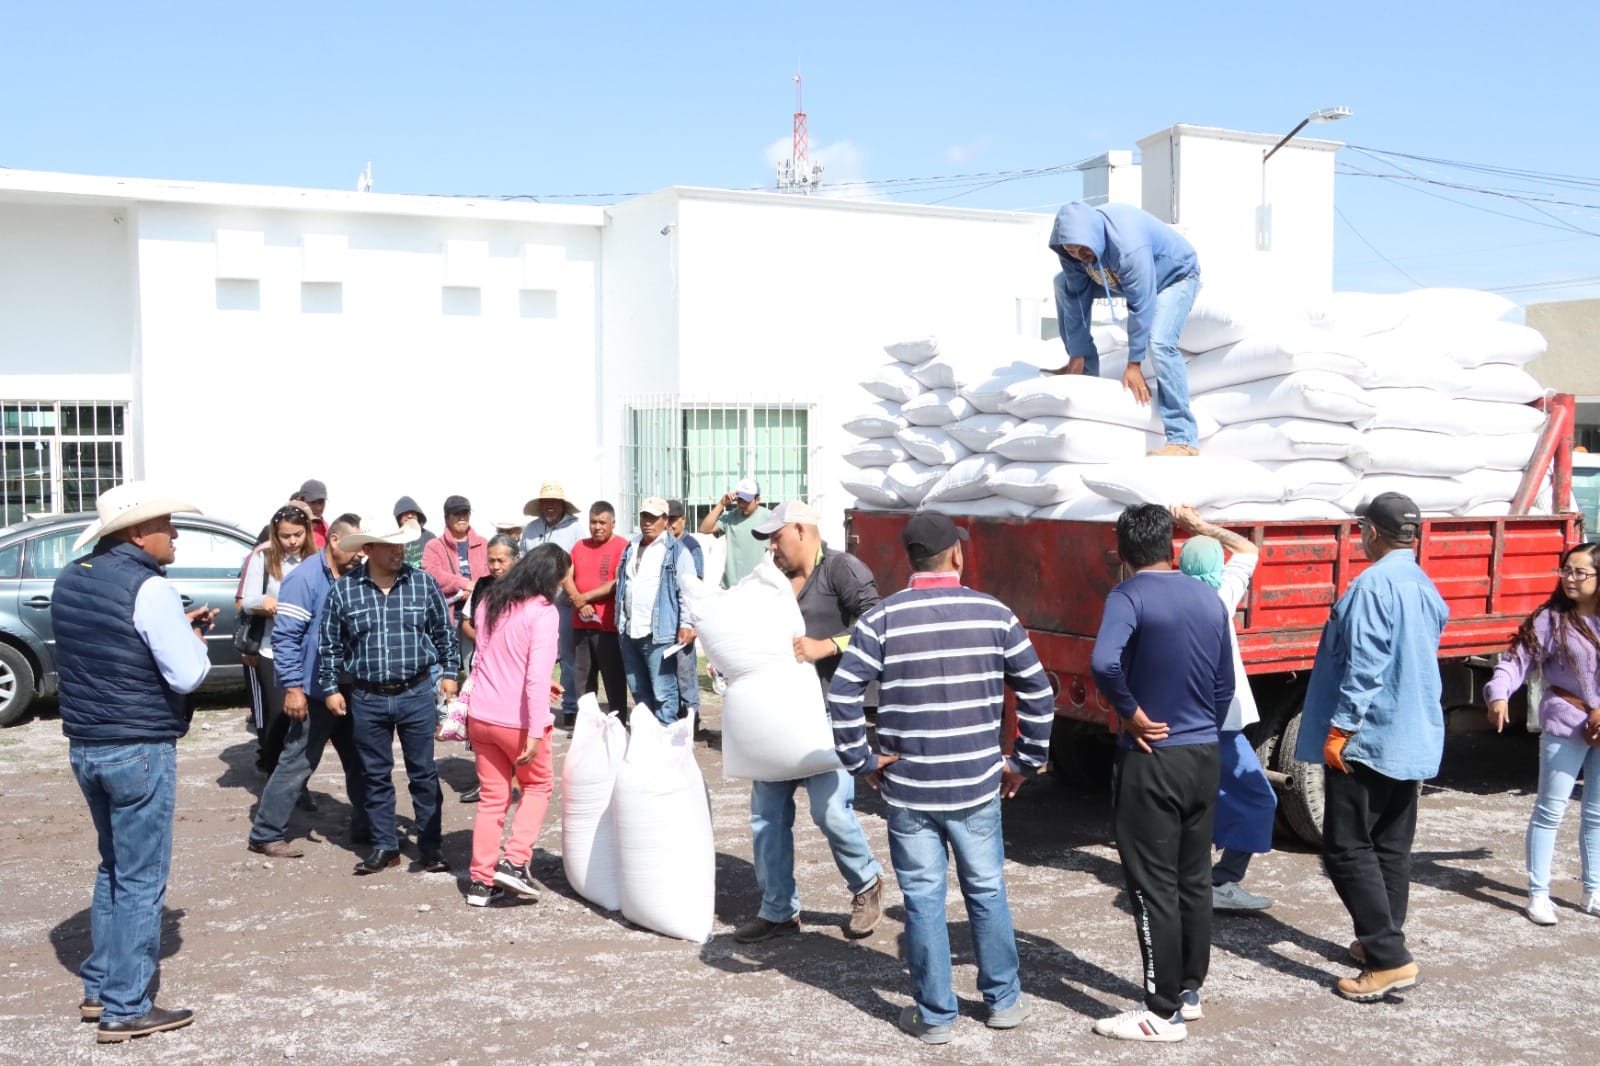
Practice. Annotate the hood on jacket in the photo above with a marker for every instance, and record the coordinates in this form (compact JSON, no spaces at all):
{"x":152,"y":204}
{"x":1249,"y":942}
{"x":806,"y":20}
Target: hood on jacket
{"x":406,"y":503}
{"x":1078,"y":223}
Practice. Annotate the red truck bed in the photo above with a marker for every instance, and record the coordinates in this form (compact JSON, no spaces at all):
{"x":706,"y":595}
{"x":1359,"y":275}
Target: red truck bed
{"x":1055,"y":575}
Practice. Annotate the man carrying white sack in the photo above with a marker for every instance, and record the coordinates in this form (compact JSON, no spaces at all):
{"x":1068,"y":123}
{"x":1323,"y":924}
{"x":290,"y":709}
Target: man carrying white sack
{"x":1118,"y":250}
{"x":943,"y":655}
{"x":832,"y":589}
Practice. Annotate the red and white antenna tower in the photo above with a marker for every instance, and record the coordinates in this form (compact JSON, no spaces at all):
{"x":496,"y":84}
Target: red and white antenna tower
{"x":796,"y":174}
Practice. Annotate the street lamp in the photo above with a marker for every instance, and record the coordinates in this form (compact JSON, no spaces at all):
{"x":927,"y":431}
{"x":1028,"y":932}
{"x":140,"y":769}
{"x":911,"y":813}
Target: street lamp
{"x":1264,"y":212}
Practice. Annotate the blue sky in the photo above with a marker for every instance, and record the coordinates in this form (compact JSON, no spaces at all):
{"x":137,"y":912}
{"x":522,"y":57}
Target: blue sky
{"x":544,"y":98}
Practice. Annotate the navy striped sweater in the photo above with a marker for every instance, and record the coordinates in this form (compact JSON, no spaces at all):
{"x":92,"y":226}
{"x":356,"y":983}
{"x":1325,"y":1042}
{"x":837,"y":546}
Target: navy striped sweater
{"x":942,"y":656}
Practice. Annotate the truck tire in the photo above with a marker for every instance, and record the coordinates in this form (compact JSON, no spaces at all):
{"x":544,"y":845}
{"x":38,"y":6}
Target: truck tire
{"x":16,"y":685}
{"x":1080,"y":759}
{"x":1300,"y":803}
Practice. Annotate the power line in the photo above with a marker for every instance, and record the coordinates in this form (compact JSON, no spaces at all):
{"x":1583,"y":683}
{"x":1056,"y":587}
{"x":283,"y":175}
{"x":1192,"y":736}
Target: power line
{"x":1362,"y":237}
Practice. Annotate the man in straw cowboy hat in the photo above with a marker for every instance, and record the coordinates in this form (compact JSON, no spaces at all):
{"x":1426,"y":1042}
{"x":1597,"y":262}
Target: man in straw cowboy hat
{"x":384,"y":628}
{"x":555,"y":521}
{"x":128,"y":655}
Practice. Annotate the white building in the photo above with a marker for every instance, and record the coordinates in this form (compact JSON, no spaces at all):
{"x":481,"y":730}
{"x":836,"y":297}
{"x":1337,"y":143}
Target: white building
{"x":235,"y":340}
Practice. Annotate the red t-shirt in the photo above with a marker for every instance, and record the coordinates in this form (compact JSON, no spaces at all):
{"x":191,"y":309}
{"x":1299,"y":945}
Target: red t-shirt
{"x":594,"y":565}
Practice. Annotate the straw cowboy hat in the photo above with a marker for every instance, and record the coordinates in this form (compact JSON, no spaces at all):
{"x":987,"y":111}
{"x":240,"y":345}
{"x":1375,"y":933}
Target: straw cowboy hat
{"x":402,"y":535}
{"x":550,"y":490}
{"x":127,"y":505}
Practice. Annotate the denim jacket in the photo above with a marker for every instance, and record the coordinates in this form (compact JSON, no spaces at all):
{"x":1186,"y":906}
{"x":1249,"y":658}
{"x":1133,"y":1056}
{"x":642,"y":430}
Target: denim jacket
{"x":1377,"y":673}
{"x":664,"y":620}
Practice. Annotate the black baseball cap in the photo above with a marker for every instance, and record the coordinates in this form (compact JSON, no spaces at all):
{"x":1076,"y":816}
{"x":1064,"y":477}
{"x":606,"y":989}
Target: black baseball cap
{"x":675,"y":509}
{"x":929,"y":533}
{"x":456,"y":504}
{"x":1393,"y":514}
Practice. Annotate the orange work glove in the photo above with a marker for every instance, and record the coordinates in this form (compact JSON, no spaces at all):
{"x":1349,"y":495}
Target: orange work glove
{"x":1333,"y":748}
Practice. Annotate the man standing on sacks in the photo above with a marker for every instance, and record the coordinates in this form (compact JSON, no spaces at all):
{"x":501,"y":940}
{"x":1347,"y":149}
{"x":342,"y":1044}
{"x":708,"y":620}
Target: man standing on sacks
{"x":943,"y":655}
{"x":833,"y":590}
{"x":1119,"y":250}
{"x":385,"y":627}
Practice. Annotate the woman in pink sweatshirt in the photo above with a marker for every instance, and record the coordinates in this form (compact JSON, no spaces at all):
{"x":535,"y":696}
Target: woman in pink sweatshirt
{"x":509,"y":720}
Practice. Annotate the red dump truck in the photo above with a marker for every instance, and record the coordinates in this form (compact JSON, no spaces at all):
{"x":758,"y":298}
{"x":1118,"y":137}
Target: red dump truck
{"x":1055,"y":575}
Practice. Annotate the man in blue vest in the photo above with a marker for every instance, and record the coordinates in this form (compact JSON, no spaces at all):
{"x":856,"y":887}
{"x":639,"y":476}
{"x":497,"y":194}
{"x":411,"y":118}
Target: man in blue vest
{"x":128,"y":656}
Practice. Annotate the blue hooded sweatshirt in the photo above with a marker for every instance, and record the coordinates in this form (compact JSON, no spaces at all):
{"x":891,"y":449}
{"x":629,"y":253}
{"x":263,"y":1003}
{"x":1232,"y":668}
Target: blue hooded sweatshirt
{"x":1136,"y":256}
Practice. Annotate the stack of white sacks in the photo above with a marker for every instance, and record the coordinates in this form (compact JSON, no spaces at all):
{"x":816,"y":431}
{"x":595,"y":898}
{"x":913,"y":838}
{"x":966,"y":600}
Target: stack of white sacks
{"x":1302,"y":415}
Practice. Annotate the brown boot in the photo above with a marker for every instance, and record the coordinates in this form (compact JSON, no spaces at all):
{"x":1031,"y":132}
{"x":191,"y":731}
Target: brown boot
{"x":1175,"y":449}
{"x":865,"y":910}
{"x":1369,"y":986}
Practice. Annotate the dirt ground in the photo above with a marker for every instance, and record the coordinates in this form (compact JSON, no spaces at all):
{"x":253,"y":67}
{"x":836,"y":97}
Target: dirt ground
{"x":297,"y":960}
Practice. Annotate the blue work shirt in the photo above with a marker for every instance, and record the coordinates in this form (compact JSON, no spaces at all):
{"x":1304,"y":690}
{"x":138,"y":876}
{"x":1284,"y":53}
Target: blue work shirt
{"x":1377,"y":673}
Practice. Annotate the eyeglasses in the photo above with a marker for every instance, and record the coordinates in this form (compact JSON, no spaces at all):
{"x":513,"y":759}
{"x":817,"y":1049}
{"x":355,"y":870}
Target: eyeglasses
{"x":1574,"y":572}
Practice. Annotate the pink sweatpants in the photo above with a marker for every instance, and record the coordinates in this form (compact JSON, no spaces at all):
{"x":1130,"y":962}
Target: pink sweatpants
{"x":497,"y":748}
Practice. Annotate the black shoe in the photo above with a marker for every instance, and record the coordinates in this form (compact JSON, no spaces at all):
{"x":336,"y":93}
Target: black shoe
{"x":515,"y":878}
{"x":568,"y":721}
{"x":434,"y":863}
{"x":378,"y":860}
{"x":154,"y":1020}
{"x":90,"y":1009}
{"x":481,"y":895}
{"x":470,"y":795}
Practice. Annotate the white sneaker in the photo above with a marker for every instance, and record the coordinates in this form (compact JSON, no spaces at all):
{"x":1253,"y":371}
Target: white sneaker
{"x":1189,"y":1005}
{"x":1141,"y":1024}
{"x":1231,"y":897}
{"x":1540,"y":910}
{"x":1591,"y":903}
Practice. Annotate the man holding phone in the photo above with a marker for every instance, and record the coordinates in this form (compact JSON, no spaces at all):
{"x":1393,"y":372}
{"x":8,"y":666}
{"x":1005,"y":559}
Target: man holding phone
{"x":736,"y":517}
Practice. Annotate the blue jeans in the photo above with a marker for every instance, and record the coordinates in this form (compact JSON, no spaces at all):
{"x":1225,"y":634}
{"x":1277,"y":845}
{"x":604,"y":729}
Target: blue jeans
{"x":1172,"y":375}
{"x":567,"y":654}
{"x":302,"y":753}
{"x":1560,"y":760}
{"x":652,"y":678}
{"x":833,"y":809}
{"x":689,"y":679}
{"x":917,"y":843}
{"x":376,"y":721}
{"x":132,"y":790}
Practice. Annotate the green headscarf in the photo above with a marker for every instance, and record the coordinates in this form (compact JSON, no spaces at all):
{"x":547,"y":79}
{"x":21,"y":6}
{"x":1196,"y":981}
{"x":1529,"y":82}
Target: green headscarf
{"x":1202,"y":558}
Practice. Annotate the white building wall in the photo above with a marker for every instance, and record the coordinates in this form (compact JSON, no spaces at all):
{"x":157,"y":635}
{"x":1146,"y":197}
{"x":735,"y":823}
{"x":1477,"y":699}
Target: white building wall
{"x":66,"y":302}
{"x":1208,"y":182}
{"x":385,"y":383}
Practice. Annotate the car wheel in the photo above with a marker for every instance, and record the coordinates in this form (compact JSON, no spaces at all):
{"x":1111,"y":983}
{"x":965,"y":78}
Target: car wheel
{"x":1301,"y":802}
{"x":16,"y":685}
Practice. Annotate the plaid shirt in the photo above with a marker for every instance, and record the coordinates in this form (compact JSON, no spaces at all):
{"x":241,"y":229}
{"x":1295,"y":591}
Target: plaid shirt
{"x":381,"y":639}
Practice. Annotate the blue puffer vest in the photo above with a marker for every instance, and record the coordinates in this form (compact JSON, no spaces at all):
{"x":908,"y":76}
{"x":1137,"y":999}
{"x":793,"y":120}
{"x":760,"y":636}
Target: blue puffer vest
{"x":111,"y":686}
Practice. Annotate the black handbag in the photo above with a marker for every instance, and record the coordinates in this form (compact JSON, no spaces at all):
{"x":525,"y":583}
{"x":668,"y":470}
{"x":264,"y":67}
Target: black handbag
{"x":248,"y":629}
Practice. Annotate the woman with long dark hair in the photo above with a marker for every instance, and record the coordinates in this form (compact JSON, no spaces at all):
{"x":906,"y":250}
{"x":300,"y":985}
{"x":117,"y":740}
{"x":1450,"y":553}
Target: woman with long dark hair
{"x":1561,"y":640}
{"x":289,"y":539}
{"x":509,"y":721}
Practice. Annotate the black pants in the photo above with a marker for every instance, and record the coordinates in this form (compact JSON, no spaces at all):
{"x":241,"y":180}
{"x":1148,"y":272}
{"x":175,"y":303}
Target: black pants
{"x":597,"y":655}
{"x":1165,"y":802}
{"x":271,"y":723}
{"x":1368,"y":823}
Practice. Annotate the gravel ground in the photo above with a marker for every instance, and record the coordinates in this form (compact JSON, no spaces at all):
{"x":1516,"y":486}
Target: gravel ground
{"x":297,"y":960}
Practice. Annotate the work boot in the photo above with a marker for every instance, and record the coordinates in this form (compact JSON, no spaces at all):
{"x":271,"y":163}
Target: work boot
{"x":1175,"y":449}
{"x":758,"y":929}
{"x":1369,"y":986}
{"x":865,"y":910}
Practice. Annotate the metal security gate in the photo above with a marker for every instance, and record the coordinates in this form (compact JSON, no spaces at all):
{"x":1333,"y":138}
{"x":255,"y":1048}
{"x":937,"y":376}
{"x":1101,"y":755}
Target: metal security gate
{"x":56,"y":458}
{"x":698,"y":449}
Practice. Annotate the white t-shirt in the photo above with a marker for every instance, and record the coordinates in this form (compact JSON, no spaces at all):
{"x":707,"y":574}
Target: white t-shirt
{"x":1236,"y":574}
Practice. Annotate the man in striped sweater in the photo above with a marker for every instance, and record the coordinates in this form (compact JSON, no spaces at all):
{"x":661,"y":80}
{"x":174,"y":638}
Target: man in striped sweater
{"x":942,"y":655}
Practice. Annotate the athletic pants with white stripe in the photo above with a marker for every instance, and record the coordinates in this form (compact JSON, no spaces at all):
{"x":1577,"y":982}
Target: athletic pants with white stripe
{"x":1165,"y":802}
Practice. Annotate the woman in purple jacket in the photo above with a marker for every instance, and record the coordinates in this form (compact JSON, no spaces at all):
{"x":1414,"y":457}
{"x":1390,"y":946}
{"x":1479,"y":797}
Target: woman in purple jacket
{"x":1561,"y":640}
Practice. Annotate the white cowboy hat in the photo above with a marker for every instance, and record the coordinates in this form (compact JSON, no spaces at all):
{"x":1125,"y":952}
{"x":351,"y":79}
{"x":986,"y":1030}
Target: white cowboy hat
{"x":402,"y":535}
{"x":128,"y":504}
{"x":550,"y":490}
